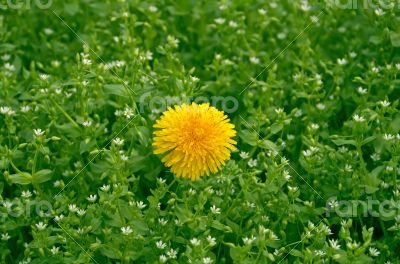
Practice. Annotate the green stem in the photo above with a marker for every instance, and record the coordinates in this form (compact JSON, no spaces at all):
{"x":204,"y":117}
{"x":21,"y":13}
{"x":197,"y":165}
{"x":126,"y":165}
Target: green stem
{"x":64,"y":113}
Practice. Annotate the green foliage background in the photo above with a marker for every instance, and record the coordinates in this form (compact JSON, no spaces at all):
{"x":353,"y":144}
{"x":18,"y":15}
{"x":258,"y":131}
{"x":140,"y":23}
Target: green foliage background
{"x":317,"y":91}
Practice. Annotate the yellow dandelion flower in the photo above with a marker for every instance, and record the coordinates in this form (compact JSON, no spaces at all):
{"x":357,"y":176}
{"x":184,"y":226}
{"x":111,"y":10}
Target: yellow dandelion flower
{"x":196,"y":139}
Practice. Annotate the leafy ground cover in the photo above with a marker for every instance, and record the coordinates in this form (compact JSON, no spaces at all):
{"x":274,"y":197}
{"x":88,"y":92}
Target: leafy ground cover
{"x":312,"y":89}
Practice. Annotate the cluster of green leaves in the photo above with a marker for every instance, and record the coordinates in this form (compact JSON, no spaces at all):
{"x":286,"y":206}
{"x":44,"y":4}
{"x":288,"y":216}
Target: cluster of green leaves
{"x":317,"y":90}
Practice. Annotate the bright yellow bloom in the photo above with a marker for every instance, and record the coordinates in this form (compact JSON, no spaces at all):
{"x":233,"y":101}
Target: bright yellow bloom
{"x":195,"y":138}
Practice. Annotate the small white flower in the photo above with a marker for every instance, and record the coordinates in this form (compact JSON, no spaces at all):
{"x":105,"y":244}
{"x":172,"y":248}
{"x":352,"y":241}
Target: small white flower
{"x":194,"y":79}
{"x":149,"y":55}
{"x":342,"y":61}
{"x":389,"y":168}
{"x":227,"y":62}
{"x":352,"y":54}
{"x":361,"y":90}
{"x":162,"y":221}
{"x":195,"y":242}
{"x":126,"y":230}
{"x":7,"y":111}
{"x":307,"y":153}
{"x":105,"y":188}
{"x":348,"y":168}
{"x":250,"y":205}
{"x":375,"y":69}
{"x":279,"y":110}
{"x":219,"y":21}
{"x":48,"y":31}
{"x":319,"y":253}
{"x":314,"y":126}
{"x":9,"y":67}
{"x":286,"y":175}
{"x":358,"y":118}
{"x":26,"y":194}
{"x":128,"y":112}
{"x":379,"y":12}
{"x":207,"y":260}
{"x":54,"y":250}
{"x":314,"y":19}
{"x":163,"y":258}
{"x":172,"y":253}
{"x":211,"y":240}
{"x":262,"y":11}
{"x":249,"y":240}
{"x":254,"y":60}
{"x":92,"y":198}
{"x":38,"y":132}
{"x":388,"y":137}
{"x":373,"y":252}
{"x":5,"y":237}
{"x":252,"y":163}
{"x":87,"y":123}
{"x":41,"y":226}
{"x":81,"y":212}
{"x":244,"y":155}
{"x":57,"y":183}
{"x":160,"y":244}
{"x":215,"y":210}
{"x":140,"y":205}
{"x":333,"y":204}
{"x":398,"y":66}
{"x":161,"y":180}
{"x":124,"y":157}
{"x":43,"y":77}
{"x":233,"y":24}
{"x":384,"y":103}
{"x":59,"y":217}
{"x":281,"y":35}
{"x":55,"y":63}
{"x":25,"y":108}
{"x":153,"y":9}
{"x":305,"y":6}
{"x":174,"y":42}
{"x":73,"y":208}
{"x":119,"y":142}
{"x":334,"y":244}
{"x":6,"y":57}
{"x":321,"y":106}
{"x":292,"y":189}
{"x":86,"y":61}
{"x":192,"y":191}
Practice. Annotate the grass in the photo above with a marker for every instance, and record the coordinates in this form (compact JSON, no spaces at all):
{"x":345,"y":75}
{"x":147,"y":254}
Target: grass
{"x":312,"y":88}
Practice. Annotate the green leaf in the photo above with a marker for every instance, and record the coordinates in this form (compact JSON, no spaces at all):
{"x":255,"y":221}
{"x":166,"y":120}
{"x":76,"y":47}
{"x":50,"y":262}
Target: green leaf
{"x":111,"y":252}
{"x":219,"y":226}
{"x":21,"y":178}
{"x":116,"y":89}
{"x":69,"y":130}
{"x":42,"y":176}
{"x":341,"y":141}
{"x":276,"y":127}
{"x":249,"y":137}
{"x":395,"y":38}
{"x":267,"y":144}
{"x":368,"y":139}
